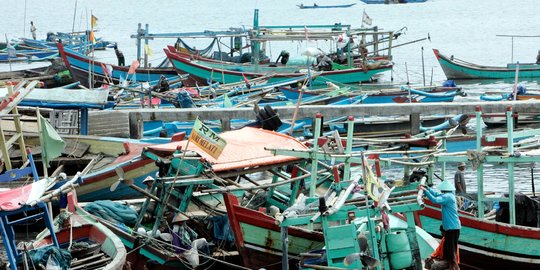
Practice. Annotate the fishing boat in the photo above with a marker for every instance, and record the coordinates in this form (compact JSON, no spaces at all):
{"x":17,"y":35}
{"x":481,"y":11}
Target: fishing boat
{"x":455,"y":68}
{"x":342,"y":230}
{"x":72,"y":241}
{"x":229,"y":72}
{"x":28,"y":55}
{"x":499,"y":119}
{"x":93,"y":245}
{"x":186,"y":170}
{"x":392,"y":1}
{"x":302,"y":6}
{"x":500,"y":243}
{"x":54,"y":75}
{"x":405,"y":94}
{"x":346,"y":69}
{"x":89,"y":245}
{"x":82,"y":68}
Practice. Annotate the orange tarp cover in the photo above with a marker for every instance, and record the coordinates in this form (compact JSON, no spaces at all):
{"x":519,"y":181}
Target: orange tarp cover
{"x":245,"y":148}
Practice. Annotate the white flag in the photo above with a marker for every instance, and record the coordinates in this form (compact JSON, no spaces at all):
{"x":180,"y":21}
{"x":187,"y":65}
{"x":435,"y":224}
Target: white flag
{"x":366,"y":19}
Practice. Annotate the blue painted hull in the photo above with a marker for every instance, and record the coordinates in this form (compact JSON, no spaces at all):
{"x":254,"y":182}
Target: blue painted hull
{"x":79,"y":66}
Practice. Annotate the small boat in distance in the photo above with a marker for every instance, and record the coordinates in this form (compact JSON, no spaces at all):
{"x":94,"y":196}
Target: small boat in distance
{"x":456,"y":69}
{"x":392,"y":1}
{"x":302,"y":6}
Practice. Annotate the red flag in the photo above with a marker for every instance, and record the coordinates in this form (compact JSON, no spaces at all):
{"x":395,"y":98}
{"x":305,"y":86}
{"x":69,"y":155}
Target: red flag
{"x":133,"y":67}
{"x":105,"y":71}
{"x":248,"y":85}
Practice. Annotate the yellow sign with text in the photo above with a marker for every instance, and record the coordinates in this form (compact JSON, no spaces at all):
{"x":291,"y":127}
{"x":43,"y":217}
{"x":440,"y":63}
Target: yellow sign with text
{"x":208,"y":140}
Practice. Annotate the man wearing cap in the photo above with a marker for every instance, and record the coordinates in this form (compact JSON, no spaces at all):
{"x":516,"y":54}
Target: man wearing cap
{"x":450,"y":219}
{"x":459,"y":180}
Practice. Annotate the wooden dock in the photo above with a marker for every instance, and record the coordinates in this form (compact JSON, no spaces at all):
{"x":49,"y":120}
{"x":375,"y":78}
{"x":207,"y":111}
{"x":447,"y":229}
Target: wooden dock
{"x":135,"y":117}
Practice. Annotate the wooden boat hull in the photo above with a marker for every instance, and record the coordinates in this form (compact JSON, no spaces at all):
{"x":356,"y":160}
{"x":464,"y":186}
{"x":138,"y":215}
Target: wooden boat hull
{"x":438,"y":95}
{"x":97,"y":182}
{"x":234,"y":74}
{"x":456,"y":69}
{"x":489,"y":245}
{"x":258,"y":238}
{"x":79,"y":64}
{"x":86,"y":227}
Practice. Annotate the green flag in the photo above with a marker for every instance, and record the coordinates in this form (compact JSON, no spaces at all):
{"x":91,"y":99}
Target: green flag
{"x":52,"y":144}
{"x":227,"y":102}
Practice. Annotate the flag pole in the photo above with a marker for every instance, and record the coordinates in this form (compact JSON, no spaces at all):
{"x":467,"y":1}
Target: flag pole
{"x":9,"y":57}
{"x":363,"y":15}
{"x":24,"y":22}
{"x":74,"y":15}
{"x":42,"y":144}
{"x":168,"y":194}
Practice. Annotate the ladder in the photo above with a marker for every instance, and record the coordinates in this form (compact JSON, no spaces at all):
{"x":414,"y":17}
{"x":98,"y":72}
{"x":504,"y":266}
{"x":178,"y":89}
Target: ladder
{"x":8,"y":109}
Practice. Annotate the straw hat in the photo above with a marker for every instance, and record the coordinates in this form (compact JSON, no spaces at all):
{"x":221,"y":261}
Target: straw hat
{"x":148,"y":179}
{"x":462,"y":164}
{"x":179,"y":217}
{"x":446,"y":186}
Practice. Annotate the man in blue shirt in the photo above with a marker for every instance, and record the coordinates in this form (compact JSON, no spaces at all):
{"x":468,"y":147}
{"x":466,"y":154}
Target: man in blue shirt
{"x":450,"y":219}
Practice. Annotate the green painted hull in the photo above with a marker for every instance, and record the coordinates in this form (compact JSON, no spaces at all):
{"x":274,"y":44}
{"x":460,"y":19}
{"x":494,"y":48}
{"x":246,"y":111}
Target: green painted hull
{"x":490,"y":244}
{"x":236,"y":73}
{"x":457,"y":69}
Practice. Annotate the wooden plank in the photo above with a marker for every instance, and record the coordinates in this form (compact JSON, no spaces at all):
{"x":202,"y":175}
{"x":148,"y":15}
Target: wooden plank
{"x":109,"y":123}
{"x":75,"y":148}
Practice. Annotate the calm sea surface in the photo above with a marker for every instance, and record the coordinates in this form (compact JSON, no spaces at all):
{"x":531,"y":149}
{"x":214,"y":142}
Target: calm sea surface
{"x":463,"y":28}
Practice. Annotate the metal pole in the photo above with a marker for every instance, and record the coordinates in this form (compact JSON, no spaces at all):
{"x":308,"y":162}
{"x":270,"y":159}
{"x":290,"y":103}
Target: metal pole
{"x":285,"y":248}
{"x":348,"y":147}
{"x":512,"y":59}
{"x":139,"y":41}
{"x":532,"y":180}
{"x":314,"y":163}
{"x":480,"y":170}
{"x":145,"y":45}
{"x":512,"y":201}
{"x":423,"y":68}
{"x":24,"y":22}
{"x":74,"y":15}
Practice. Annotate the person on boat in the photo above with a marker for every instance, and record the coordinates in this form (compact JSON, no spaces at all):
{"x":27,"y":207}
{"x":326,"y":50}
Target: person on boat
{"x":284,"y":57}
{"x":436,"y":261}
{"x":450,"y":219}
{"x":324,"y":63}
{"x":33,"y":30}
{"x":119,"y":55}
{"x":186,"y":241}
{"x":538,"y":58}
{"x":459,"y":179}
{"x":315,"y":5}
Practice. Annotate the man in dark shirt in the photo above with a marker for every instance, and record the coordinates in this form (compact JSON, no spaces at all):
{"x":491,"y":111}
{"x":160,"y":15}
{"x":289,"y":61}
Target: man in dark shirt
{"x":120,"y":56}
{"x":459,"y":179}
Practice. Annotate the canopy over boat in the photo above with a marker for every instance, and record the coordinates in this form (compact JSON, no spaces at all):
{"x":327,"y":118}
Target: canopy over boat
{"x":245,"y":147}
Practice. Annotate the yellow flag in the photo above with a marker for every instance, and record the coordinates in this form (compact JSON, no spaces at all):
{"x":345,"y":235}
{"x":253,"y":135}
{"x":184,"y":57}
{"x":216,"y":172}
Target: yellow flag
{"x":94,"y":21}
{"x":147,"y":50}
{"x":205,"y":138}
{"x":92,"y":37}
